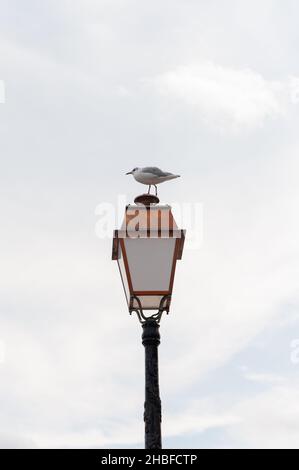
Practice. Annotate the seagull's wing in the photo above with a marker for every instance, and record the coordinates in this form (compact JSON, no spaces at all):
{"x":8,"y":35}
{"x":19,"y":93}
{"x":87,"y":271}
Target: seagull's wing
{"x":155,"y":171}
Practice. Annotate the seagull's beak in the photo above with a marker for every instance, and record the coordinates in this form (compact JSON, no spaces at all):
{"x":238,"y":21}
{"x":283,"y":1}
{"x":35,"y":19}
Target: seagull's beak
{"x":129,"y":173}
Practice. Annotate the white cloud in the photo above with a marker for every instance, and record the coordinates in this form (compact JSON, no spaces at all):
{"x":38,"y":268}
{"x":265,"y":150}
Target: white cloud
{"x":264,"y":378}
{"x":11,"y":441}
{"x":269,"y":420}
{"x":199,"y":416}
{"x":226,"y":98}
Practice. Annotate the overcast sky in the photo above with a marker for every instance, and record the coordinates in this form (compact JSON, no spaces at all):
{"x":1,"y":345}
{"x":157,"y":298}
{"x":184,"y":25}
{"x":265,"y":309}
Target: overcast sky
{"x":209,"y":90}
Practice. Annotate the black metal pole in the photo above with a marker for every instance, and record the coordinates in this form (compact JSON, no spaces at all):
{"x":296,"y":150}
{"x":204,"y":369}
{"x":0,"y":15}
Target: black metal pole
{"x":152,"y":404}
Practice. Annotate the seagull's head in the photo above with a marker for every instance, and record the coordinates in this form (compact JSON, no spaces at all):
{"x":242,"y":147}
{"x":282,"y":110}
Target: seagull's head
{"x":133,"y":171}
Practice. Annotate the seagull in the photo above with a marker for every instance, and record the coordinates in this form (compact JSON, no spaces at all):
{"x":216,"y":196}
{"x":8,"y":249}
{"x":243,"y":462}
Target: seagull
{"x":151,"y":176}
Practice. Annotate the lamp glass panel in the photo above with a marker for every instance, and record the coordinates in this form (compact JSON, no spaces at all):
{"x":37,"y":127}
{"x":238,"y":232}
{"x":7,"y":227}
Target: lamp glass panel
{"x":148,"y":302}
{"x":123,"y":273}
{"x":150,"y":262}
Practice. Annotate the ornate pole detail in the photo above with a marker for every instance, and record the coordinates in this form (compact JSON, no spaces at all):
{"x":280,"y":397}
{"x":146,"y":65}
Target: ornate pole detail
{"x":152,"y":404}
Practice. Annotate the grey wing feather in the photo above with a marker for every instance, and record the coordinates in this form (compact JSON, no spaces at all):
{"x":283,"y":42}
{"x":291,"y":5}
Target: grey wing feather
{"x":155,"y":171}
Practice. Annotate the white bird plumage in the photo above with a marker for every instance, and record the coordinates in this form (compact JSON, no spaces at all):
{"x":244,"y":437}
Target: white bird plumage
{"x":151,"y":176}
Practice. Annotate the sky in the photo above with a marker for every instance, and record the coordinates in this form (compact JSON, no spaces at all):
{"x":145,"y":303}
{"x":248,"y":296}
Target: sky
{"x":89,"y":90}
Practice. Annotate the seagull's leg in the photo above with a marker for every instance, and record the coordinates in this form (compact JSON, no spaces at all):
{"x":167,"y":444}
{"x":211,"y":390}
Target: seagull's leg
{"x":156,"y":190}
{"x":149,"y":188}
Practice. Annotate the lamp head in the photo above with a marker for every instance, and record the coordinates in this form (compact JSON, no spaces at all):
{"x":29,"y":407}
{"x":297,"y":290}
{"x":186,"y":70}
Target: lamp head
{"x":147,"y":247}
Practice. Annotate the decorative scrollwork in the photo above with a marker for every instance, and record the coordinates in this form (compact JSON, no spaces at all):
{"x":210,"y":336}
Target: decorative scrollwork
{"x":163,"y":307}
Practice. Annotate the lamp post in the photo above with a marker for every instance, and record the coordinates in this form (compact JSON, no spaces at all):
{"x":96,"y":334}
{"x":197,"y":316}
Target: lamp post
{"x":147,"y":247}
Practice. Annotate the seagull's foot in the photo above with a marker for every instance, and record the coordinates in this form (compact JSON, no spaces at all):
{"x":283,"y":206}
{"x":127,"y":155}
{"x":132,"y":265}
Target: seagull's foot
{"x":149,"y":188}
{"x":156,"y":192}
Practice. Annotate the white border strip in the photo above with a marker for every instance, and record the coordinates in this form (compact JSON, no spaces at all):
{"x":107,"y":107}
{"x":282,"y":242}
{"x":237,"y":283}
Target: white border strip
{"x":2,"y":352}
{"x":2,"y":91}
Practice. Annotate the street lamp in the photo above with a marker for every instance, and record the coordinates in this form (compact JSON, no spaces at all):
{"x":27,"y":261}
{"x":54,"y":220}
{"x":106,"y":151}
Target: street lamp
{"x":147,"y":247}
